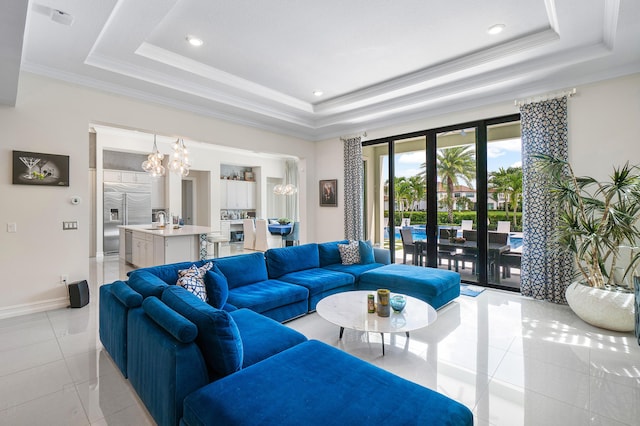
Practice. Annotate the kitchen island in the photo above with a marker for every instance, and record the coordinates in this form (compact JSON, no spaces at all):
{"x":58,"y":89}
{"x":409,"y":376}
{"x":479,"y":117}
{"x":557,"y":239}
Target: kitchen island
{"x":144,"y":245}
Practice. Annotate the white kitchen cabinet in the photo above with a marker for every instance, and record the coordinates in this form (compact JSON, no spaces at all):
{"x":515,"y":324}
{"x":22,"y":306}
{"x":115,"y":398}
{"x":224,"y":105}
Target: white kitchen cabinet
{"x":135,"y":177}
{"x":174,"y":249}
{"x":142,"y":252}
{"x":112,"y":176}
{"x":237,"y":195}
{"x":158,"y":192}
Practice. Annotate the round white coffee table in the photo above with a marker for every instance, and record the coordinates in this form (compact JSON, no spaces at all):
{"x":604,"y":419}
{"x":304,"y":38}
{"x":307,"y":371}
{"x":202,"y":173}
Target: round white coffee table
{"x":349,"y":310}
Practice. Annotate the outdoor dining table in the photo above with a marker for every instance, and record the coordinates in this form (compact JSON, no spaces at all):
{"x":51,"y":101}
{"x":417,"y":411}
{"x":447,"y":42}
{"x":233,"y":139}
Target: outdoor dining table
{"x":495,"y":251}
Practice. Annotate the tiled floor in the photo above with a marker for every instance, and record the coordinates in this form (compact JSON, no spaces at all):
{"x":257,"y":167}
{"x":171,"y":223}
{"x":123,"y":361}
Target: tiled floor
{"x":512,"y":360}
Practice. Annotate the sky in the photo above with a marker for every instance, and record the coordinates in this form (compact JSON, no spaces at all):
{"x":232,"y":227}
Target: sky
{"x":505,"y":153}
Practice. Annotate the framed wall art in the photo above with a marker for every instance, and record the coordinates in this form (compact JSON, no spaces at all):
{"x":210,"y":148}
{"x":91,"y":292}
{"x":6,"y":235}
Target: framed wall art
{"x":329,"y":193}
{"x":35,"y":168}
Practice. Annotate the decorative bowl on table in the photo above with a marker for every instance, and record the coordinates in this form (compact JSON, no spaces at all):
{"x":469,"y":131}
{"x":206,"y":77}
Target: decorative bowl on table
{"x":398,"y":303}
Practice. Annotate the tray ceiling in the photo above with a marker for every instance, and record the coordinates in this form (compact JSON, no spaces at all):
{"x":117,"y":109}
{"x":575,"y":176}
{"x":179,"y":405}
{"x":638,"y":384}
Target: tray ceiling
{"x":377,"y":62}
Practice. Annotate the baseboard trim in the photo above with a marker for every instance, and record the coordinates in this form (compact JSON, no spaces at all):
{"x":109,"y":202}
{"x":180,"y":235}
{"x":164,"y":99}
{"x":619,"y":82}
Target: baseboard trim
{"x":32,"y":308}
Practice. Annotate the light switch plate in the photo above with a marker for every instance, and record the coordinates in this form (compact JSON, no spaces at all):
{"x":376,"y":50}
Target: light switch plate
{"x":12,"y":227}
{"x":70,"y":226}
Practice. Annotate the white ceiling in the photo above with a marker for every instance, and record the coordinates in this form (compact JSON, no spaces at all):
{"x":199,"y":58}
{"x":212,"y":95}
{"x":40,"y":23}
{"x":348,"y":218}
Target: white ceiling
{"x":378,"y":62}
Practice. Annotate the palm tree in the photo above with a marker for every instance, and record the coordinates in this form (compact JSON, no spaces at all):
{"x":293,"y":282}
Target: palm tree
{"x":404,"y":193}
{"x":455,"y":164}
{"x":509,"y":183}
{"x":418,"y":189}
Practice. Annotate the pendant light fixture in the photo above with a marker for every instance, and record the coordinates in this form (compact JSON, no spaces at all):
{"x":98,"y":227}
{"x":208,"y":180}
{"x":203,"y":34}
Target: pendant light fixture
{"x":179,"y":162}
{"x":153,"y":164}
{"x":287,"y":189}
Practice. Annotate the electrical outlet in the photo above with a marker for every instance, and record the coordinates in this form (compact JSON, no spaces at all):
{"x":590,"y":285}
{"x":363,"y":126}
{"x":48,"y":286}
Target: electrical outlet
{"x":64,"y":279}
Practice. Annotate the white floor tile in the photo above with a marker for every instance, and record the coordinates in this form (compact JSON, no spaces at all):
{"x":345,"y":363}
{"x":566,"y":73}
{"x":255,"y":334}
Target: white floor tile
{"x":26,"y":357}
{"x":20,"y":335}
{"x":563,"y":384}
{"x":62,"y":408}
{"x":90,"y":365}
{"x":27,"y":385}
{"x":511,"y":359}
{"x":615,"y":401}
{"x":105,"y":395}
{"x":130,"y":416}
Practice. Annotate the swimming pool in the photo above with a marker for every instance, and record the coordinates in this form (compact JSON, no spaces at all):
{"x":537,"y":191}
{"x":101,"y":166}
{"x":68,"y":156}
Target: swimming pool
{"x":419,"y":232}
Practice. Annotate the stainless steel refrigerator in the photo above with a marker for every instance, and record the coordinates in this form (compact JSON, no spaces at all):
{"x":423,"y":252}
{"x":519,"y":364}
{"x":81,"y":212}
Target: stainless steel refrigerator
{"x":124,"y":204}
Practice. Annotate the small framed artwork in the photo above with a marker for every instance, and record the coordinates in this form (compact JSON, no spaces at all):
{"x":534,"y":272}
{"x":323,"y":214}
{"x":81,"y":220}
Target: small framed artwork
{"x":248,"y":176}
{"x":35,"y":168}
{"x":329,"y":193}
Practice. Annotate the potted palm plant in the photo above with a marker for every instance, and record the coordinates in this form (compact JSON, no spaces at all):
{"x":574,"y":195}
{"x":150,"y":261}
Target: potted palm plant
{"x":597,"y":224}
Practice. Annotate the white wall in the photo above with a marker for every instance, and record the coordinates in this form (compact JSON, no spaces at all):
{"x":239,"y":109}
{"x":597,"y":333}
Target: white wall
{"x":53,"y":117}
{"x":604,"y":121}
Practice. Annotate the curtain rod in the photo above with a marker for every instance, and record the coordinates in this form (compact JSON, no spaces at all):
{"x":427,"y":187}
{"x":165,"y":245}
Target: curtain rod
{"x":357,"y":135}
{"x":545,"y":97}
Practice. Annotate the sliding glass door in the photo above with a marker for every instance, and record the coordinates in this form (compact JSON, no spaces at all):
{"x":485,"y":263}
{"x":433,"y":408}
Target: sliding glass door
{"x":447,"y":188}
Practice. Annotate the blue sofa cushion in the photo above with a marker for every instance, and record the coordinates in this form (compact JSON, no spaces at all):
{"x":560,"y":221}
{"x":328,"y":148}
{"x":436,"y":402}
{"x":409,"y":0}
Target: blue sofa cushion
{"x":167,"y":273}
{"x":263,"y":337}
{"x":218,"y":335}
{"x":266,"y":295}
{"x":329,"y":253}
{"x":217,"y":287}
{"x":126,"y":295}
{"x":179,"y":327}
{"x":148,"y":284}
{"x":355,"y":270}
{"x":242,"y":269}
{"x":314,"y":383}
{"x":281,"y":261}
{"x":366,"y":252}
{"x":318,"y":280}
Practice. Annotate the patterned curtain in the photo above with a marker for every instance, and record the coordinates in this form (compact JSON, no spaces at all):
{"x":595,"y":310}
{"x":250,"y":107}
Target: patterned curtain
{"x":353,"y":180}
{"x":546,"y":273}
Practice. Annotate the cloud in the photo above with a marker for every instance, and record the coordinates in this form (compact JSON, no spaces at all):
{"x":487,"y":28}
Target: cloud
{"x":415,"y":157}
{"x":500,"y":148}
{"x":517,"y":164}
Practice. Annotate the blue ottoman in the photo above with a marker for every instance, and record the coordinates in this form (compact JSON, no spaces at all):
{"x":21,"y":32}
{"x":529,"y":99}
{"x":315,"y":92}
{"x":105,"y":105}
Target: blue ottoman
{"x":437,"y":287}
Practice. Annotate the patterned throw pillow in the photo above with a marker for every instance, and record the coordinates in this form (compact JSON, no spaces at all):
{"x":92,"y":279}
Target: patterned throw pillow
{"x":192,"y":279}
{"x":349,"y":253}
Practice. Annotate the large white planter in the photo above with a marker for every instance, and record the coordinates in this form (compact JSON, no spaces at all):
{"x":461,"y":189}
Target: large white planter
{"x":612,"y":310}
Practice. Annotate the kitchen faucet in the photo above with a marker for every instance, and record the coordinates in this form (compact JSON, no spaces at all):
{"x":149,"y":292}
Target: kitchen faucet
{"x":161,"y":217}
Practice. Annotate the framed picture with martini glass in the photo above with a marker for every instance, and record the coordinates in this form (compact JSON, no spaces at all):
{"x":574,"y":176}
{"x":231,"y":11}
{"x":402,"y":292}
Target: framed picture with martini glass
{"x":35,"y":168}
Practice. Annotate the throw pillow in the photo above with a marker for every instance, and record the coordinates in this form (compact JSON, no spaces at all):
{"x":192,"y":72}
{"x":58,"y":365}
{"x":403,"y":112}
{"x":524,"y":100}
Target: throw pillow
{"x":366,"y":252}
{"x":349,"y":253}
{"x":217,"y":287}
{"x":192,"y":279}
{"x":218,"y":335}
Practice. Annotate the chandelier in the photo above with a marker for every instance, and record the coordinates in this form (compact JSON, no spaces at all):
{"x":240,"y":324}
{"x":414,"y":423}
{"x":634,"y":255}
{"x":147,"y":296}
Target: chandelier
{"x":153,"y":164}
{"x":287,"y":189}
{"x":179,"y":162}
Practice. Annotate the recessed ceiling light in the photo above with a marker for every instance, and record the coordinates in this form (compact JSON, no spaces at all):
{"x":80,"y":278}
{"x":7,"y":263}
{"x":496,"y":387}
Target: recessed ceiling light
{"x":495,"y":29}
{"x":195,"y":41}
{"x":318,"y":93}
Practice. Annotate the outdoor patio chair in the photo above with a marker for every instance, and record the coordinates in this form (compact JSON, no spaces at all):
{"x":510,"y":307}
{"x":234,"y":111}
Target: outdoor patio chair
{"x":407,"y":244}
{"x":467,"y":224}
{"x":504,"y":226}
{"x":446,"y":253}
{"x":468,"y":255}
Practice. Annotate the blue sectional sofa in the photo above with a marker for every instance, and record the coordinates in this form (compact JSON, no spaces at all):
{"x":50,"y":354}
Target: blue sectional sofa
{"x":174,"y":347}
{"x":192,"y":364}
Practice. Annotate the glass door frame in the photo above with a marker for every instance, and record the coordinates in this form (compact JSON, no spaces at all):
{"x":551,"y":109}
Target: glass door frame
{"x":430,"y":136}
